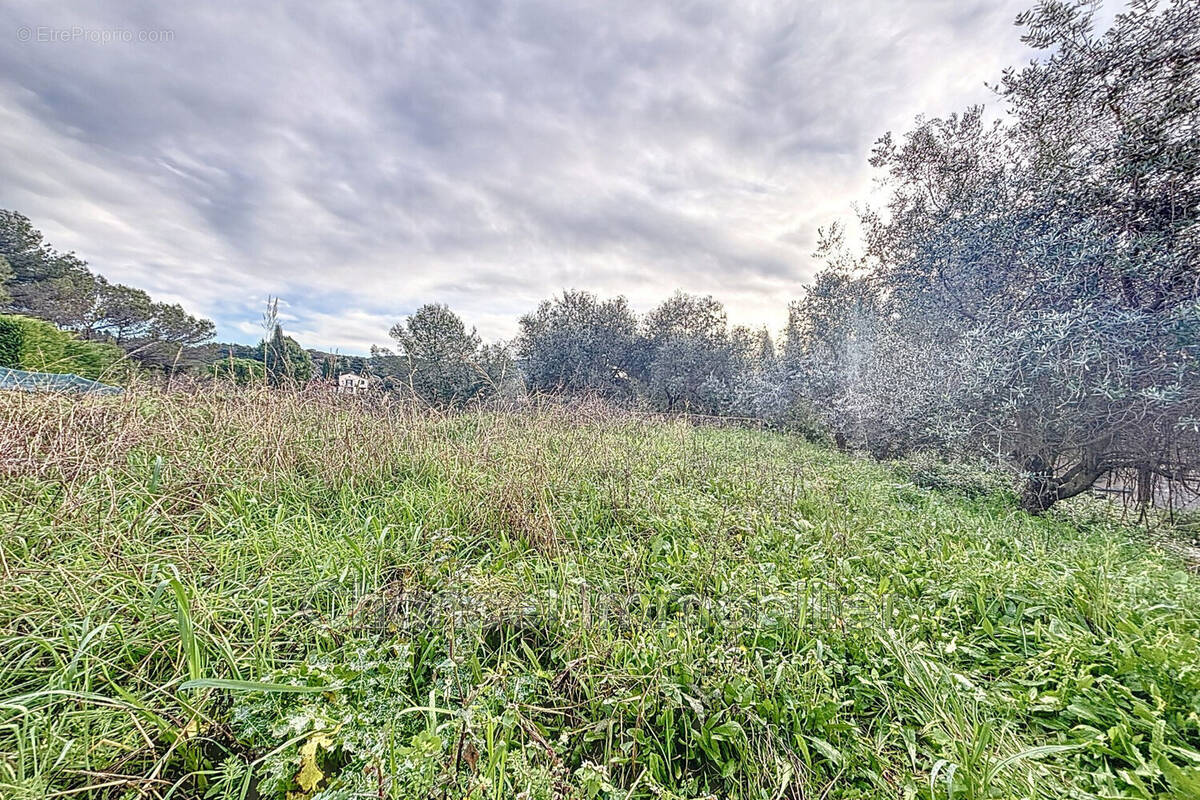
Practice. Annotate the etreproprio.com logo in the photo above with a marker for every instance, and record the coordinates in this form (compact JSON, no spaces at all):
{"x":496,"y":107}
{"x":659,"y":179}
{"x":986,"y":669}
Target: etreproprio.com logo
{"x":50,"y":34}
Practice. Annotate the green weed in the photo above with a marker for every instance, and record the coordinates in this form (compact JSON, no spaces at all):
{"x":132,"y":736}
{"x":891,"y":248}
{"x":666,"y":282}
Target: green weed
{"x":275,"y":595}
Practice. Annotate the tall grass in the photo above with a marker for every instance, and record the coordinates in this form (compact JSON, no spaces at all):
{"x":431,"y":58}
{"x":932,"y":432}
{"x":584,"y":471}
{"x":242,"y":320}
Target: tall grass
{"x":236,"y":594}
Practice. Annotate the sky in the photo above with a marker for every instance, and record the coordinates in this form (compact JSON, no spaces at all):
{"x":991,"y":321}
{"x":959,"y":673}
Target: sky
{"x":359,"y":159}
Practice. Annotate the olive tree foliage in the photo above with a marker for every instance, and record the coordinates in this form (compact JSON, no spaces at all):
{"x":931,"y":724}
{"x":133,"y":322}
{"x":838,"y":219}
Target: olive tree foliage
{"x":827,"y":341}
{"x":577,"y":344}
{"x":851,"y":373}
{"x":1110,"y":127}
{"x":758,"y":386}
{"x":440,"y":361}
{"x":1032,"y":288}
{"x":689,"y":356}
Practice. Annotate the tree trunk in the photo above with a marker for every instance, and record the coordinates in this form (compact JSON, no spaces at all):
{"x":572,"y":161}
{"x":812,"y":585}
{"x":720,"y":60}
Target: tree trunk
{"x":1043,"y":488}
{"x":1145,"y":485}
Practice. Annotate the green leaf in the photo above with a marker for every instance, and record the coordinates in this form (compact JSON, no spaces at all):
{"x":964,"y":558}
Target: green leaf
{"x":255,"y":686}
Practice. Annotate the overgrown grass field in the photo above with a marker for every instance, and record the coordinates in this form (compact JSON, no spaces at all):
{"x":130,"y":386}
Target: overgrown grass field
{"x":275,"y":595}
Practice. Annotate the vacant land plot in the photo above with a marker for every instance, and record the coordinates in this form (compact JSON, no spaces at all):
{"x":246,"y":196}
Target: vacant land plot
{"x":284,"y":596}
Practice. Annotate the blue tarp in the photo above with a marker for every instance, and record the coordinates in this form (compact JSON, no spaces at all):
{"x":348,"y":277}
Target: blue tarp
{"x":23,"y":381}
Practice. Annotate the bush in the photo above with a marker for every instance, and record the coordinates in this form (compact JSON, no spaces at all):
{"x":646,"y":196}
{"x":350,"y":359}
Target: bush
{"x":10,"y":342}
{"x":968,"y":479}
{"x":37,"y":346}
{"x":242,"y":371}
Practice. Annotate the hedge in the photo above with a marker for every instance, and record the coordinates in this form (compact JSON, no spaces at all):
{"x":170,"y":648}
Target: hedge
{"x":10,"y":342}
{"x":38,"y":346}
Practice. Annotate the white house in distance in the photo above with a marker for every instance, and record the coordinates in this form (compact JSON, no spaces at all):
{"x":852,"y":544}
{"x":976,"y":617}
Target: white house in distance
{"x":351,"y":383}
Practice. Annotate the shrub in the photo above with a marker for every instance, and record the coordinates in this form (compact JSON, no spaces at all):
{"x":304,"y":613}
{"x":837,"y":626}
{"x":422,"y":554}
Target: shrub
{"x":37,"y":346}
{"x":242,"y":371}
{"x":968,"y":479}
{"x":10,"y":342}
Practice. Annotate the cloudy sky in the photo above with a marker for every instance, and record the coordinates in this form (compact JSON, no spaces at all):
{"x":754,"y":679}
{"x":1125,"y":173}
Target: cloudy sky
{"x":360,"y":159}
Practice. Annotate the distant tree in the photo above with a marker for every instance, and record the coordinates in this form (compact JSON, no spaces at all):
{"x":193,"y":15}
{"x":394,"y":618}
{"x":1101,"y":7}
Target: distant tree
{"x":760,"y":386}
{"x":690,"y":356}
{"x":577,"y":344}
{"x":120,"y":312}
{"x":841,"y":356}
{"x":6,"y":276}
{"x":67,"y":300}
{"x":225,"y":350}
{"x":331,"y":365}
{"x":44,"y":283}
{"x":286,"y":362}
{"x":500,"y":371}
{"x":170,"y":339}
{"x":387,"y":366}
{"x":439,"y":357}
{"x":328,"y":365}
{"x":765,"y":354}
{"x":30,"y":258}
{"x":751,"y":352}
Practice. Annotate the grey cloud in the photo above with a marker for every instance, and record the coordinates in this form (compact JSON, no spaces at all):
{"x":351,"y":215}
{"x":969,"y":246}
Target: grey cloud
{"x":362,"y":159}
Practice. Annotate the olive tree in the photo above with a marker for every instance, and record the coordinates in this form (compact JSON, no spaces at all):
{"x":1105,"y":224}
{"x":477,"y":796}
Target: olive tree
{"x":438,"y":357}
{"x":578,"y":344}
{"x":689,"y":355}
{"x":1048,"y":267}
